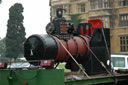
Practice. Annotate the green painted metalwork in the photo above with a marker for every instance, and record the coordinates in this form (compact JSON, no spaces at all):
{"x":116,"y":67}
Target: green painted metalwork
{"x":32,"y":77}
{"x":107,"y":80}
{"x":54,"y":77}
{"x":91,"y":81}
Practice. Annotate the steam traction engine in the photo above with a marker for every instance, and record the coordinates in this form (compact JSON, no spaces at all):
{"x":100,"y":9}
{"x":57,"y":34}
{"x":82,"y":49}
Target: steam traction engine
{"x":88,"y":45}
{"x":86,"y":48}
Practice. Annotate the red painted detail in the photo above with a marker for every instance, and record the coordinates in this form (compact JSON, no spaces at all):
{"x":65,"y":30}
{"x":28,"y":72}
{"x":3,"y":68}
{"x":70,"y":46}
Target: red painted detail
{"x":3,"y":65}
{"x":63,"y":28}
{"x":87,"y":31}
{"x":75,"y":45}
{"x":81,"y":30}
{"x":86,"y":39}
{"x":72,"y":47}
{"x":96,"y":23}
{"x":25,"y":83}
{"x":61,"y":51}
{"x":46,"y":63}
{"x":81,"y":47}
{"x":91,"y":30}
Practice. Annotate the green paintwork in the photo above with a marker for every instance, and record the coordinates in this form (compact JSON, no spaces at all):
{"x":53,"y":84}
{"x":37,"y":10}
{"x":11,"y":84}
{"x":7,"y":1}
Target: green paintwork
{"x":107,"y":80}
{"x":90,"y":81}
{"x":32,"y":76}
{"x":53,"y":77}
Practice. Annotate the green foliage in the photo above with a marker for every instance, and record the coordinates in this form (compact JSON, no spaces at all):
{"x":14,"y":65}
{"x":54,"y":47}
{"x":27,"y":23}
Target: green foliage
{"x":62,"y":66}
{"x":0,"y":1}
{"x":2,"y":47}
{"x":76,"y":19}
{"x":16,"y":32}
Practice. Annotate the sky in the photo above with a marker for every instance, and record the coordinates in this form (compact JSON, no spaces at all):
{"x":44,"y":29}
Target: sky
{"x":36,"y":15}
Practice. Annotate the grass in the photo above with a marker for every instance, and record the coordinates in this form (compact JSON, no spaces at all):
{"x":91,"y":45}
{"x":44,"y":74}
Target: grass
{"x":62,"y":66}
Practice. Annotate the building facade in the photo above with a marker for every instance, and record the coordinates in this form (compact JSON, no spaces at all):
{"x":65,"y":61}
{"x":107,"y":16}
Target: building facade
{"x":113,"y":13}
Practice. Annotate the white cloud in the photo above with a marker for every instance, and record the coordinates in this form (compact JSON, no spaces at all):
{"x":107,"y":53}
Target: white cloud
{"x":36,"y":15}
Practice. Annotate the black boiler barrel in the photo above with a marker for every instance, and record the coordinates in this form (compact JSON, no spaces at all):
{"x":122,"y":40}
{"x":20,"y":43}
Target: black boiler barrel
{"x":39,"y":47}
{"x":44,"y":47}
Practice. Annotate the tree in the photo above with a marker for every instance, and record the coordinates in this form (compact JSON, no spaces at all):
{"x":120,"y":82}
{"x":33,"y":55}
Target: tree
{"x":0,"y":1}
{"x":16,"y":32}
{"x":2,"y":47}
{"x":76,"y":19}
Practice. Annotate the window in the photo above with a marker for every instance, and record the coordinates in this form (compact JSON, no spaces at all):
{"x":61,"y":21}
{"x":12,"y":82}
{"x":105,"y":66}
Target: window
{"x":99,"y":4}
{"x":92,"y":4}
{"x":112,"y":21}
{"x":124,"y":44}
{"x":81,"y":8}
{"x":73,"y":0}
{"x":118,"y":62}
{"x":54,"y":9}
{"x":66,"y":7}
{"x":123,"y":3}
{"x":106,"y":22}
{"x":105,"y":3}
{"x":55,"y":0}
{"x":124,"y":20}
{"x":96,"y":4}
